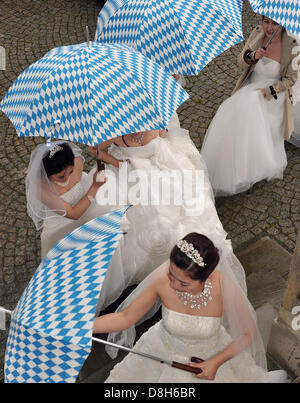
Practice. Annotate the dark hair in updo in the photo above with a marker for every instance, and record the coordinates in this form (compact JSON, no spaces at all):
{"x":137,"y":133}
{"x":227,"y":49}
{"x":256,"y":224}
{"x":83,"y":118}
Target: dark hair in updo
{"x":59,"y":161}
{"x":207,"y":250}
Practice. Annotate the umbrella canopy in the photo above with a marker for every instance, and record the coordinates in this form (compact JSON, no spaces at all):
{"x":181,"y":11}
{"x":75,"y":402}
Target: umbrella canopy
{"x":89,"y":93}
{"x":285,"y":12}
{"x":51,"y":328}
{"x":183,"y":36}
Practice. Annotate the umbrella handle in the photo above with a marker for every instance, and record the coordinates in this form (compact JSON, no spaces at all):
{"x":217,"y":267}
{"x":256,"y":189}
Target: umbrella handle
{"x":197,"y":360}
{"x":188,"y":368}
{"x":100,"y":164}
{"x":247,"y":58}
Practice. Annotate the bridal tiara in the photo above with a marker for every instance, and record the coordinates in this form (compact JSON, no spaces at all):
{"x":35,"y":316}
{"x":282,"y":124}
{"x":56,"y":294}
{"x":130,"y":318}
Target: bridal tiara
{"x":191,"y":252}
{"x":54,"y":150}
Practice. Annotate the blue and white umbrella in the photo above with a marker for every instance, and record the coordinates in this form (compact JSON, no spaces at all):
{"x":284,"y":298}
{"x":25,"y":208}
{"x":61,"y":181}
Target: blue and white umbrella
{"x":51,"y":328}
{"x":285,"y":12}
{"x":89,"y":93}
{"x":183,"y":36}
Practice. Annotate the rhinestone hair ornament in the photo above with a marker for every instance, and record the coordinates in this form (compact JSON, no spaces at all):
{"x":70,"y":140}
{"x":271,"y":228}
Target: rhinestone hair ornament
{"x":189,"y":250}
{"x":54,"y":150}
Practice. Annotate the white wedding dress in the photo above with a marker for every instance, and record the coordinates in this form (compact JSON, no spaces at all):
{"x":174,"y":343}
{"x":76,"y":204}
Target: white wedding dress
{"x":244,"y":142}
{"x":153,"y":230}
{"x":178,"y":337}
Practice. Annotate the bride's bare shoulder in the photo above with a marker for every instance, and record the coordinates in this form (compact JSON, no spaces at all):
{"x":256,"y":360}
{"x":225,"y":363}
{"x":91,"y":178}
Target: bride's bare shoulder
{"x":215,"y":278}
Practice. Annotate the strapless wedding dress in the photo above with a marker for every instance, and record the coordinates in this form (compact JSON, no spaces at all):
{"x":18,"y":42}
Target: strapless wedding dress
{"x":177,"y":337}
{"x":245,"y":140}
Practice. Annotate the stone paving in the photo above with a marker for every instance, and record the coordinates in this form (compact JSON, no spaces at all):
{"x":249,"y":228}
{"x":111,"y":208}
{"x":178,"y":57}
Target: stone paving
{"x":28,"y":29}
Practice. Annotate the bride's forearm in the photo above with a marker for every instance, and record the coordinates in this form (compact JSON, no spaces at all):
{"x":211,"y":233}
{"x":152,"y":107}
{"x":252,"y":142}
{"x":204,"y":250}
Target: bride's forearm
{"x":233,"y":349}
{"x":108,"y":159}
{"x":112,"y":322}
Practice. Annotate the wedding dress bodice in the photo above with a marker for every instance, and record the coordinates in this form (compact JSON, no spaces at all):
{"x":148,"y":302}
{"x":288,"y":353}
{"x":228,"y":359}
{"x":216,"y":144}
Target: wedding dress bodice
{"x":190,"y":326}
{"x":77,"y":192}
{"x":190,"y":333}
{"x":266,"y":71}
{"x":146,"y":151}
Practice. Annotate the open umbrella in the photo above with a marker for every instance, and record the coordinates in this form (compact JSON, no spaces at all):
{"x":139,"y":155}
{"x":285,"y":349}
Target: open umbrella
{"x":91,"y":92}
{"x":285,"y":12}
{"x":183,"y":36}
{"x":51,"y":327}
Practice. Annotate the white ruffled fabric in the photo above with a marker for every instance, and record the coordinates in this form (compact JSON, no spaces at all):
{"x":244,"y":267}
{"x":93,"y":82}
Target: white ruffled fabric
{"x":178,"y":337}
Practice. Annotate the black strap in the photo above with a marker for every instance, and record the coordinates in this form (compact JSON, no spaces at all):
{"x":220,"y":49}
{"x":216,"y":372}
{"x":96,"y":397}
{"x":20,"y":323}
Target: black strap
{"x":124,"y":141}
{"x":273,"y":92}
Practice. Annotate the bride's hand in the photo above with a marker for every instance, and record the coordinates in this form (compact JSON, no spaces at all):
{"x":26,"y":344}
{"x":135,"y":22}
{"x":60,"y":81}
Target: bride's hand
{"x":263,"y":92}
{"x":121,"y":162}
{"x":163,"y":133}
{"x":97,"y":184}
{"x":260,"y":53}
{"x":209,"y":369}
{"x":93,"y":150}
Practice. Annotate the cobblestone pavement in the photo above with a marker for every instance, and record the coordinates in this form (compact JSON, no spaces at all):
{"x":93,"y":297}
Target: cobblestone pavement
{"x":28,"y":29}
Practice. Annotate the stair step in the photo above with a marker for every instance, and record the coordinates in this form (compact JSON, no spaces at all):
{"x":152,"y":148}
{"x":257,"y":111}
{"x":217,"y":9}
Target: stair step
{"x":265,"y":253}
{"x":265,"y":286}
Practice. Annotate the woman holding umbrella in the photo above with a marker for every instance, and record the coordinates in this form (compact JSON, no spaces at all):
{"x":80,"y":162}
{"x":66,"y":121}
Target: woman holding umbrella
{"x":204,"y":314}
{"x":245,"y":141}
{"x":60,"y":196}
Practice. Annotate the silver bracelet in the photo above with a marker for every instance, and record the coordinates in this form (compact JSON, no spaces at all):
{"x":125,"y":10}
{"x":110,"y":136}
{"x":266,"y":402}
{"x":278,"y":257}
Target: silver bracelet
{"x":91,"y":198}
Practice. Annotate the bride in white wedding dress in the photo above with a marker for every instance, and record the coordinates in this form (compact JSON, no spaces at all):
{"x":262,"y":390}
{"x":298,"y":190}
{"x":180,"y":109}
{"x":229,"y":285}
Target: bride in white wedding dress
{"x":205,"y":314}
{"x":245,"y":140}
{"x":60,"y":195}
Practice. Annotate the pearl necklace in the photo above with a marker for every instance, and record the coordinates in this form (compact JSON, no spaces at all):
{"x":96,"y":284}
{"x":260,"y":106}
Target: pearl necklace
{"x":63,"y":184}
{"x":196,"y":301}
{"x":137,"y":139}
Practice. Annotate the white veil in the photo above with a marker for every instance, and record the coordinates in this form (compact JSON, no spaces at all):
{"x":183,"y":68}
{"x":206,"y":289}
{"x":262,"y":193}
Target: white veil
{"x":239,"y":317}
{"x":43,"y":201}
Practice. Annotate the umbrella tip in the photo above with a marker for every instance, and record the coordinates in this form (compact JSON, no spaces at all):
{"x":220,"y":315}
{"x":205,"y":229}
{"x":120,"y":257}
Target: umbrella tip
{"x":3,"y":313}
{"x":87,"y":36}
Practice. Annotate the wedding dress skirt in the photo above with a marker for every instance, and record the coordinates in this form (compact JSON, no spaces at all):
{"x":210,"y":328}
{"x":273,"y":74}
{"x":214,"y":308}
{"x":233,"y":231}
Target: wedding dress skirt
{"x":244,"y":142}
{"x":153,"y":229}
{"x":177,"y":337}
{"x":295,"y":137}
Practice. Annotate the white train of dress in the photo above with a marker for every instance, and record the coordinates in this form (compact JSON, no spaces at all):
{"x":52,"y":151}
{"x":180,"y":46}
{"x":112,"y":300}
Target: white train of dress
{"x":178,"y":337}
{"x":245,"y":140}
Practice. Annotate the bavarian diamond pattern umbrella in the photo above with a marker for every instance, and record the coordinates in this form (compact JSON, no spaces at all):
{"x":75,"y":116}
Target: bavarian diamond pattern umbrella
{"x":183,"y":36}
{"x":90,"y":94}
{"x":285,"y":12}
{"x":51,"y":327}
